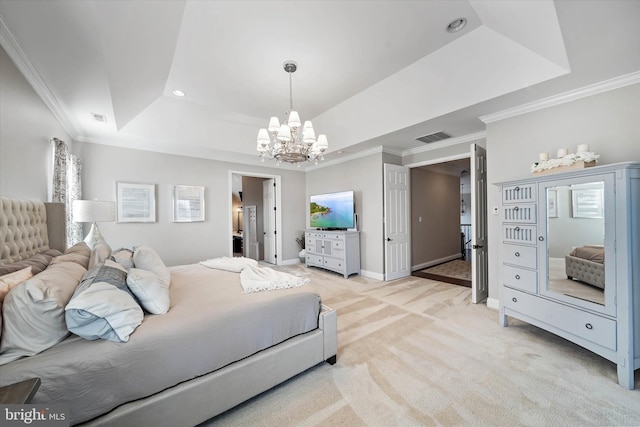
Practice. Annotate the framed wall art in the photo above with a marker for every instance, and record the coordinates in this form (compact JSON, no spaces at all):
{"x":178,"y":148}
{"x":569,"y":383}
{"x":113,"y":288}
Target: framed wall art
{"x":188,"y":203}
{"x":136,"y":202}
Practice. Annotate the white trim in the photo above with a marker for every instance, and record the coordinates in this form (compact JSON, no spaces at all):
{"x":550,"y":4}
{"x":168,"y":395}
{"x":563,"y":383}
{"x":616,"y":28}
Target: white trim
{"x":435,"y":262}
{"x":278,"y":178}
{"x":493,"y":303}
{"x":342,"y":159}
{"x":561,"y":98}
{"x":372,"y":275}
{"x":439,"y":160}
{"x":15,"y":52}
{"x":447,"y":143}
{"x":292,"y":261}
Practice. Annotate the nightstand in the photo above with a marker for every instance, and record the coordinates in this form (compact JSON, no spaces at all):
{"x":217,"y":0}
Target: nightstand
{"x":19,"y":393}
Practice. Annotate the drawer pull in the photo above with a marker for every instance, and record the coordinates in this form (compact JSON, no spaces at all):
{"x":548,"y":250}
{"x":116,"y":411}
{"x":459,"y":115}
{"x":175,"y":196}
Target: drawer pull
{"x":514,"y":299}
{"x":516,"y":189}
{"x":589,"y":326}
{"x":516,"y":229}
{"x":515,"y":208}
{"x":517,"y":277}
{"x":517,"y":254}
{"x":540,"y":238}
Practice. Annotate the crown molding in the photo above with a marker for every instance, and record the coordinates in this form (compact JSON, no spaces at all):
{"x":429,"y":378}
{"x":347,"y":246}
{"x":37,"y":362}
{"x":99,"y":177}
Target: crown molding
{"x":446,"y":143}
{"x":15,"y":52}
{"x":572,"y":95}
{"x":342,"y":159}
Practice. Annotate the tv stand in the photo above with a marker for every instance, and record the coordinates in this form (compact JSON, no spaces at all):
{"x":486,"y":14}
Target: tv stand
{"x":337,"y":251}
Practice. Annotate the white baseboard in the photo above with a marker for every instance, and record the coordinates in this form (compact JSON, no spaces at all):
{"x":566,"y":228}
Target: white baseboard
{"x":493,"y":303}
{"x":372,"y":275}
{"x":292,"y":261}
{"x":435,"y":262}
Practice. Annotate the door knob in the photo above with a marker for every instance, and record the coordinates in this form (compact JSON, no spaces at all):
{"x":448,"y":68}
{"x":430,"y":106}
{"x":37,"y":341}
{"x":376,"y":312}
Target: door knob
{"x":477,"y":246}
{"x":389,"y":239}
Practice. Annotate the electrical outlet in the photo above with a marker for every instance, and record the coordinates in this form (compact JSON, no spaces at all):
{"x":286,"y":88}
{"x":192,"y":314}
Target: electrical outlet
{"x":495,"y":210}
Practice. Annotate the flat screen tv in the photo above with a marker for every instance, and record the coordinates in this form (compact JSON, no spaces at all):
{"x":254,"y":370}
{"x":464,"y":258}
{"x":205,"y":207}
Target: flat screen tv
{"x":332,"y":211}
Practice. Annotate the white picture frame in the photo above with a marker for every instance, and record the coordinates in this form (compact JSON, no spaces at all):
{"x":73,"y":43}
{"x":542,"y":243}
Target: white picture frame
{"x":588,"y":203}
{"x":188,"y":203}
{"x":135,"y":202}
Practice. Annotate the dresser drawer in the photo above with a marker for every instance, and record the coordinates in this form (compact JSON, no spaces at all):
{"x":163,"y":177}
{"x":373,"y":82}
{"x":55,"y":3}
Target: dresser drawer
{"x":521,"y":234}
{"x":521,"y":256}
{"x":519,"y":278}
{"x":589,"y":326}
{"x":332,"y":236}
{"x":314,"y":260}
{"x":525,"y":214}
{"x":519,"y":193}
{"x":334,"y":264}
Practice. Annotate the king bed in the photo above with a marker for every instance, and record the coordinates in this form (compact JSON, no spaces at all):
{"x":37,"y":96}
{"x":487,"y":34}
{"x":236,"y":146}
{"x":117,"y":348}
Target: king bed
{"x":214,"y":348}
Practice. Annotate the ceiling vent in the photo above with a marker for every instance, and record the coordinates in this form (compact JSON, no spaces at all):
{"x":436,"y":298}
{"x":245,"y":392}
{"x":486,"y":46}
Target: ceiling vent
{"x":434,"y":137}
{"x":99,"y":117}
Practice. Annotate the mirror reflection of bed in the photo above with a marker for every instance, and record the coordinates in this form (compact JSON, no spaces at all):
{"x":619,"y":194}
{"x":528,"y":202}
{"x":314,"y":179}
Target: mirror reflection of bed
{"x":560,"y":283}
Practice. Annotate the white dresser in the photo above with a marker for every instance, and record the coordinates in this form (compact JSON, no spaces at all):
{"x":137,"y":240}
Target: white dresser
{"x":337,"y":251}
{"x":560,"y":234}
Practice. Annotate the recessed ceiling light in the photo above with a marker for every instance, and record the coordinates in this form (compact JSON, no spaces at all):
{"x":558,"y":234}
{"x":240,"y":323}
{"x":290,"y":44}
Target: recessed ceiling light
{"x":457,"y":25}
{"x":178,"y":93}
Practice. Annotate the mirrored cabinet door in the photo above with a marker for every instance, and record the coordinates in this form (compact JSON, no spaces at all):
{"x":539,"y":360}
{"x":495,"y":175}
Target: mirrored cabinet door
{"x":576,"y":237}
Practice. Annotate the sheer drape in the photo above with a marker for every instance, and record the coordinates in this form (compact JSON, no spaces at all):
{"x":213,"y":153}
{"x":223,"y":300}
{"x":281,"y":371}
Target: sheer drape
{"x":66,"y":185}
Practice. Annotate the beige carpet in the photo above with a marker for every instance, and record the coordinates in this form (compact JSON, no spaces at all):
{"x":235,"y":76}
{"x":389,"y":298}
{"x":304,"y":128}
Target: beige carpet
{"x":415,"y":352}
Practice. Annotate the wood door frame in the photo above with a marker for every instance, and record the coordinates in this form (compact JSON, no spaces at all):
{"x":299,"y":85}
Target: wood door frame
{"x":278,"y":197}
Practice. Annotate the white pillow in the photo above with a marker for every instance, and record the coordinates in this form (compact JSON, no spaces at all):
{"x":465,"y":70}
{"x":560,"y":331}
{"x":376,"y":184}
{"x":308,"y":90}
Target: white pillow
{"x":33,"y":312}
{"x":100,"y":253}
{"x":152,"y":292}
{"x":103,"y":311}
{"x":147,"y":259}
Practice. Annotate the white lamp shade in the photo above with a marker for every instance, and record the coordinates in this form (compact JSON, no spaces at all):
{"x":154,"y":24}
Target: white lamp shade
{"x":274,"y":124}
{"x":308,"y":136}
{"x":322,"y":142}
{"x":263,"y":137}
{"x":294,"y":119}
{"x":94,"y":211}
{"x":307,"y":125}
{"x":284,"y":134}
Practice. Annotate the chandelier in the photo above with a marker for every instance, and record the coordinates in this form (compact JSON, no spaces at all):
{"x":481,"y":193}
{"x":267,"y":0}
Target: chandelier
{"x":289,"y":142}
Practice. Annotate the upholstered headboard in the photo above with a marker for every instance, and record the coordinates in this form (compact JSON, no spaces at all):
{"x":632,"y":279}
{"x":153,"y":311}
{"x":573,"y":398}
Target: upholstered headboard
{"x":29,"y":227}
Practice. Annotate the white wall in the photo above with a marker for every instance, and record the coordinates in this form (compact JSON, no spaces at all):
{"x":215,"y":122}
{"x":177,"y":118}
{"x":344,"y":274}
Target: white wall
{"x":181,"y":243}
{"x":26,"y":126}
{"x":609,"y":122}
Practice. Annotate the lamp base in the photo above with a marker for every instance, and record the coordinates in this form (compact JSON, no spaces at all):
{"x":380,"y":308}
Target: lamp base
{"x":94,"y":236}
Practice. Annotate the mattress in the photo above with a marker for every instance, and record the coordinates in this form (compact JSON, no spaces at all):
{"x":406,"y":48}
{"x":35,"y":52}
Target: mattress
{"x":210,"y":324}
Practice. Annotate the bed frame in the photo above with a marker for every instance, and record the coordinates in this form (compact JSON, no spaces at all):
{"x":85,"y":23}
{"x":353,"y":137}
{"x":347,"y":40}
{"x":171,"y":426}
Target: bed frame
{"x":191,"y":402}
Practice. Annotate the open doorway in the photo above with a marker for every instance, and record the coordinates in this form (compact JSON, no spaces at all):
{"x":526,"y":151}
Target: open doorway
{"x":441,"y":213}
{"x":253,"y":217}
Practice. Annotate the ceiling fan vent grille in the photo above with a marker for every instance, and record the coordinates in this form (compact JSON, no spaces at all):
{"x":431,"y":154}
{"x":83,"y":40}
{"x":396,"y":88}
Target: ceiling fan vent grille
{"x":434,"y":137}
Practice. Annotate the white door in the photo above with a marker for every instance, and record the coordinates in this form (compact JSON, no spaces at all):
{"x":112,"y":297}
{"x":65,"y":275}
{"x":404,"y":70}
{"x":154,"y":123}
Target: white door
{"x":397,"y":248}
{"x":479,"y":262}
{"x":269,"y":215}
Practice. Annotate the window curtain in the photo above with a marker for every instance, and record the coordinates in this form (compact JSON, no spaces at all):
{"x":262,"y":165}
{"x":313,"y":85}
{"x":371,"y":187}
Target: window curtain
{"x":66,"y":185}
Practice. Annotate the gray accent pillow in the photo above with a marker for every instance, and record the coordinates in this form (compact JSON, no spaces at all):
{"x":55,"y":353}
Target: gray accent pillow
{"x":102,"y":306}
{"x":124,"y":257}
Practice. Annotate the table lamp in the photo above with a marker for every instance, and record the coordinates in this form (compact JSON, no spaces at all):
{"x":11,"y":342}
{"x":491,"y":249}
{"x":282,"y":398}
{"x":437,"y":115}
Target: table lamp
{"x":94,"y":211}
